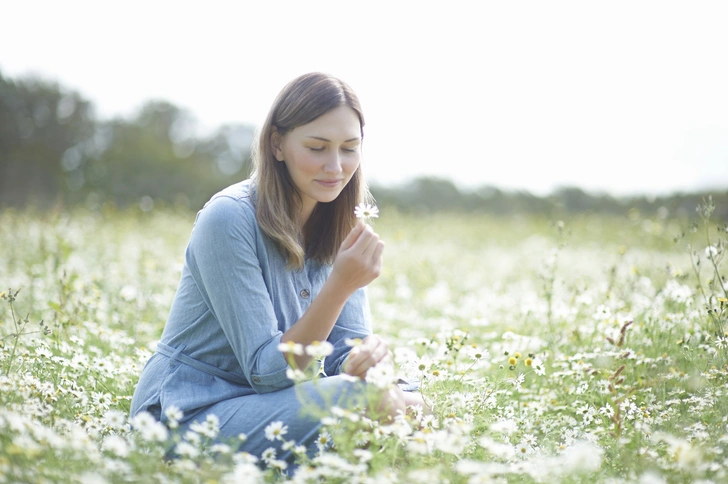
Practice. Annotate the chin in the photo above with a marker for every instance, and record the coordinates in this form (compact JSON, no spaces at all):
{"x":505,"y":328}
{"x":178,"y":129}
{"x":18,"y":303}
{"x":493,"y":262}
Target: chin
{"x":328,"y":199}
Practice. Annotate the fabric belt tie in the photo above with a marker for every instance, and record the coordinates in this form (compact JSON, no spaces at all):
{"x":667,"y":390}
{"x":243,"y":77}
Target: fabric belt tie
{"x":175,"y":354}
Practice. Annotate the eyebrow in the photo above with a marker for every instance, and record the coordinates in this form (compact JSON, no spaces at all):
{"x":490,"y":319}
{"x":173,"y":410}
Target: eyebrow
{"x":329,"y":141}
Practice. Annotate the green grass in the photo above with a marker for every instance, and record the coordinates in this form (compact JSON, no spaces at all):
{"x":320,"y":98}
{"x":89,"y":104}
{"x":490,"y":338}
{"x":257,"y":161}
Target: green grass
{"x":649,"y":404}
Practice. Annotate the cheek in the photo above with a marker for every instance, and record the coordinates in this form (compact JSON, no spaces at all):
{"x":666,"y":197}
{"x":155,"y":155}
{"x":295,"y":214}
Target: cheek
{"x":305,"y":162}
{"x":350,"y":166}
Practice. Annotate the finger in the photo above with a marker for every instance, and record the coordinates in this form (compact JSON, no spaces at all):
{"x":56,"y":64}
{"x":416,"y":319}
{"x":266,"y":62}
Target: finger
{"x":363,"y":240}
{"x":370,"y":342}
{"x":379,"y":250}
{"x":379,"y":355}
{"x":368,"y":251}
{"x":350,"y":360}
{"x":353,"y":235}
{"x":359,"y":363}
{"x":368,"y":356}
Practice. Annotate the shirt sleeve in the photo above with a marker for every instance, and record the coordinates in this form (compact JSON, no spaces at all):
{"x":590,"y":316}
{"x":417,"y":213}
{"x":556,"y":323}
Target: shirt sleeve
{"x":353,"y":322}
{"x":223,"y":257}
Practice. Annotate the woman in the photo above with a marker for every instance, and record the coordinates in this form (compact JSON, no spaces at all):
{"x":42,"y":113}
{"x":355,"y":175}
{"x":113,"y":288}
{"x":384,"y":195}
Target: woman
{"x":279,"y":258}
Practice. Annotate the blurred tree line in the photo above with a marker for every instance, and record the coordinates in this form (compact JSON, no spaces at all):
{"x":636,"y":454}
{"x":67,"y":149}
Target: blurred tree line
{"x":54,"y":152}
{"x":434,"y":194}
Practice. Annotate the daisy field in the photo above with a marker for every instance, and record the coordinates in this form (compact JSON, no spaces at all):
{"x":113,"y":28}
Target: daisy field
{"x":585,"y":349}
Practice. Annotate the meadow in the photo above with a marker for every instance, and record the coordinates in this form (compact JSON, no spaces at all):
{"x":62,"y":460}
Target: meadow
{"x":586,"y":349}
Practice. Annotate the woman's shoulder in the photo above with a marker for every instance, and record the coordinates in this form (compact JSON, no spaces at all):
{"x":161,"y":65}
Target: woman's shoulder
{"x":243,"y":192}
{"x":231,"y":206}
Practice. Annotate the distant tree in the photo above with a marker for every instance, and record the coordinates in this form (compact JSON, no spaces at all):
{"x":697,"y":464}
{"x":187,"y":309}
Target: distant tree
{"x":159,"y":155}
{"x":44,"y":134}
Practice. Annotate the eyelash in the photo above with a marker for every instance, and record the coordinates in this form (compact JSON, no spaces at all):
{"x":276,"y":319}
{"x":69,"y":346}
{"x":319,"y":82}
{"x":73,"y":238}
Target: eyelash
{"x":345,"y":149}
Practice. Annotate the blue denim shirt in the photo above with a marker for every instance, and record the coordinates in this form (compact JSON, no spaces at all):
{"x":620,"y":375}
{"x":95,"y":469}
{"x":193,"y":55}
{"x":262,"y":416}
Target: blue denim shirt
{"x":235,"y":300}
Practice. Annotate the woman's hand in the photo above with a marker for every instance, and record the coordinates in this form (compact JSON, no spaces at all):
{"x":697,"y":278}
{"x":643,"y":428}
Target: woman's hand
{"x":359,"y":260}
{"x":372,"y":351}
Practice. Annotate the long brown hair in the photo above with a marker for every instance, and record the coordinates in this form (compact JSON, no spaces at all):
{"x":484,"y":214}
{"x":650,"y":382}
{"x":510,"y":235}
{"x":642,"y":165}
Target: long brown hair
{"x":300,"y":102}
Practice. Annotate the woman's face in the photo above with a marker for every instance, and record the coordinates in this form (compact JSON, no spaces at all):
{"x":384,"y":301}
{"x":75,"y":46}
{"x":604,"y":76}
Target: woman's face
{"x":321,"y":156}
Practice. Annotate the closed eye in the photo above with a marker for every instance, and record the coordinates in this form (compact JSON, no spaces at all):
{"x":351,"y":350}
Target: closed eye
{"x":316,"y":149}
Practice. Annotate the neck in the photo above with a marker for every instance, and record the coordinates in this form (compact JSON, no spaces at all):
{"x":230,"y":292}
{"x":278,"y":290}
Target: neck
{"x":305,"y":213}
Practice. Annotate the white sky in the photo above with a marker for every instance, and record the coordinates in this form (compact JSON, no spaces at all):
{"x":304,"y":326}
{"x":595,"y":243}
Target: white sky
{"x":625,"y":97}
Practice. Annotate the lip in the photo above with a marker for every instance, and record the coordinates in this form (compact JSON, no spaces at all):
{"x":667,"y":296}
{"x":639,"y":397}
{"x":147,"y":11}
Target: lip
{"x":329,"y":183}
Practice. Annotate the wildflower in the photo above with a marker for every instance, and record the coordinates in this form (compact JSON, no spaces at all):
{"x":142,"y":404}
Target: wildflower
{"x":116,"y":445}
{"x":185,"y":449}
{"x":506,"y":427}
{"x":529,"y":439}
{"x":683,"y":453}
{"x":244,"y":458}
{"x":319,"y":349}
{"x":149,"y":428}
{"x":584,"y":456}
{"x":209,"y":428}
{"x":288,"y":445}
{"x":478,"y":354}
{"x":102,"y":400}
{"x":721,"y":342}
{"x":512,"y":361}
{"x":300,"y":450}
{"x":420,"y":443}
{"x":296,"y":375}
{"x":276,"y":430}
{"x":291,"y":347}
{"x":523,"y":449}
{"x":497,"y":449}
{"x":538,"y":366}
{"x":518,"y":381}
{"x":365,"y":211}
{"x":128,"y":293}
{"x":268,"y":455}
{"x":90,"y":477}
{"x":221,"y":448}
{"x":278,"y":464}
{"x":194,"y":437}
{"x":174,"y":415}
{"x":352,"y":342}
{"x":323,"y":441}
{"x":430,"y":421}
{"x":381,"y":375}
{"x":43,"y":352}
{"x":363,"y":455}
{"x":115,"y":419}
{"x":244,"y":472}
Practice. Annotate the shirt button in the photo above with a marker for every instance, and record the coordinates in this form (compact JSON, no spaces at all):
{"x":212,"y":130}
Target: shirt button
{"x":256,"y":379}
{"x":305,"y":293}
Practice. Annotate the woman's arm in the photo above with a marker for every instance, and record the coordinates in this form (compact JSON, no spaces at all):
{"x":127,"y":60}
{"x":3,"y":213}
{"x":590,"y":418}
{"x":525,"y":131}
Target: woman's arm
{"x":358,"y":262}
{"x":223,"y":258}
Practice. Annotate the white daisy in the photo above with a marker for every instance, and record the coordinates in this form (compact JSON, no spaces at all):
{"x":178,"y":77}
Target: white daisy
{"x":366,"y":211}
{"x":276,"y":430}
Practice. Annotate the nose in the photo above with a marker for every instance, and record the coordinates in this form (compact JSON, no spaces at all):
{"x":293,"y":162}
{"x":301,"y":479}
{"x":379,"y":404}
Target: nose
{"x":333,"y":164}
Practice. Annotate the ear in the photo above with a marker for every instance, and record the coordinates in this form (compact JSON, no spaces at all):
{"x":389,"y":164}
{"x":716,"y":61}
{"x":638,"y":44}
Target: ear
{"x":276,"y":140}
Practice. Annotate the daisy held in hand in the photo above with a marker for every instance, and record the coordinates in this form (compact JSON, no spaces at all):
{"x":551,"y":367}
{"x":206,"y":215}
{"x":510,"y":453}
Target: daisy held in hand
{"x":366,"y":211}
